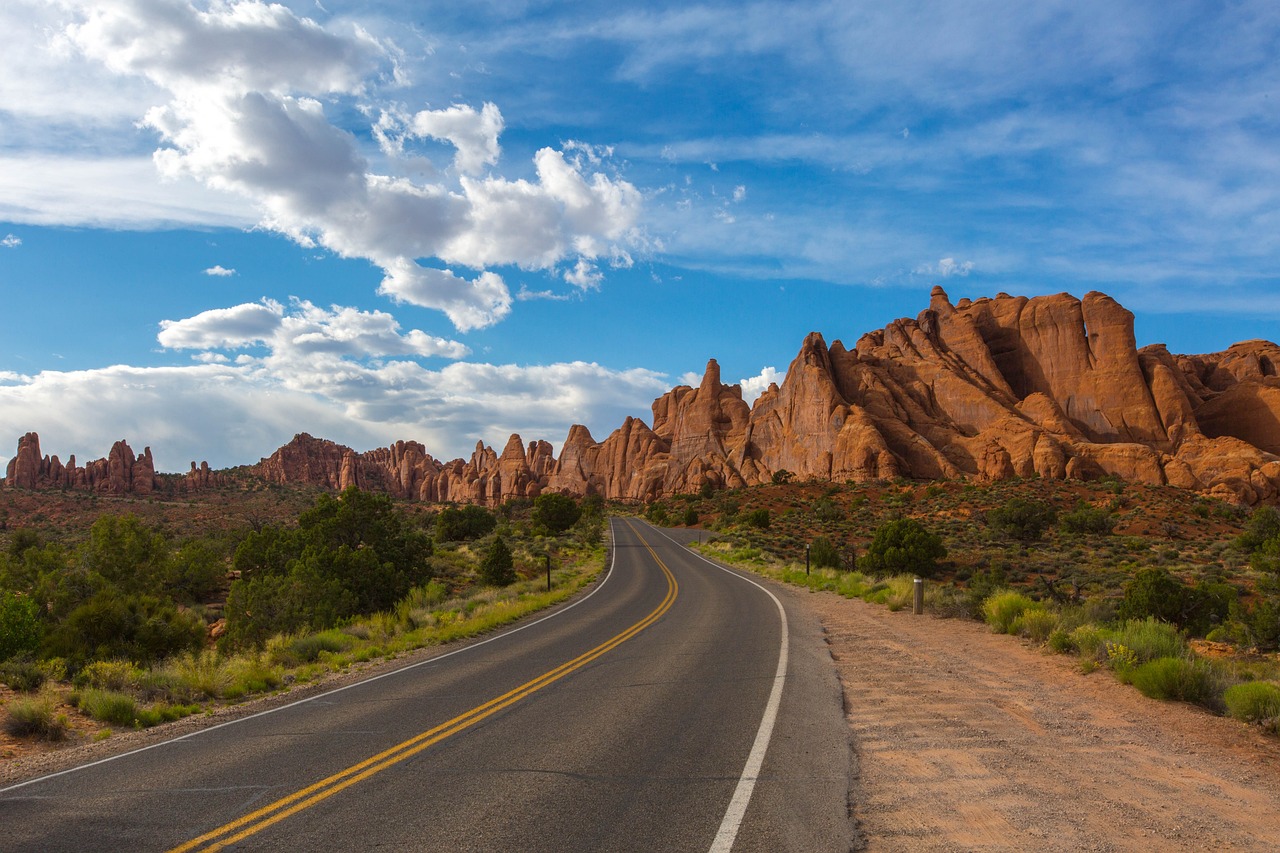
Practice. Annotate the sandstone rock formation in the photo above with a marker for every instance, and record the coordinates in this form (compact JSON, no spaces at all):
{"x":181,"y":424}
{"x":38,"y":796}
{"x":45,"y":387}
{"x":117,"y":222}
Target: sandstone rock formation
{"x":120,"y":473}
{"x":1050,"y":386}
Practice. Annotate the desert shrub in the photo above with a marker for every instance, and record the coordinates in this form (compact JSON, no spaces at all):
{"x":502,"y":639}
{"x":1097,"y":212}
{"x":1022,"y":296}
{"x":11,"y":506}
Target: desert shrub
{"x":35,"y":717}
{"x":555,"y":513}
{"x":1253,"y":701}
{"x":823,"y":554}
{"x":22,"y":674}
{"x":758,"y":518}
{"x":20,"y":628}
{"x":1090,"y":641}
{"x":1022,"y":519}
{"x":1035,"y":623}
{"x":690,"y":517}
{"x":895,"y":592}
{"x":827,"y":510}
{"x":199,"y":674}
{"x":163,"y":713}
{"x":1150,"y":639}
{"x":1086,"y":519}
{"x":1179,"y":678}
{"x":782,"y":476}
{"x":1061,"y":642}
{"x":109,"y":706}
{"x":123,"y":710}
{"x":1003,"y":608}
{"x":251,"y":675}
{"x":108,"y":675}
{"x":497,"y":568}
{"x":307,"y":649}
{"x":903,"y":545}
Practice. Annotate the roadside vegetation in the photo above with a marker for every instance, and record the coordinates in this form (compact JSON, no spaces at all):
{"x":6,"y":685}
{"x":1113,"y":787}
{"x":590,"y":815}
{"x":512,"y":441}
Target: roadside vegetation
{"x":127,"y":626}
{"x":1173,"y":593}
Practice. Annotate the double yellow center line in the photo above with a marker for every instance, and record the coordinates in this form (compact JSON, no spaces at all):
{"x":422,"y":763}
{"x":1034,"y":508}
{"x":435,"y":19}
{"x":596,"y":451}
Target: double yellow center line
{"x":266,"y":816}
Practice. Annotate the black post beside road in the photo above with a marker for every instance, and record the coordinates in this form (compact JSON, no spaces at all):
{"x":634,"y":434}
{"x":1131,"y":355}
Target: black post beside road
{"x":806,"y":560}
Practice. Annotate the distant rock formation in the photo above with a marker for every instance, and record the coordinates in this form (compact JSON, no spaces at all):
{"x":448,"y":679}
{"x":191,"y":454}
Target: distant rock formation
{"x":993,"y":389}
{"x":120,"y":473}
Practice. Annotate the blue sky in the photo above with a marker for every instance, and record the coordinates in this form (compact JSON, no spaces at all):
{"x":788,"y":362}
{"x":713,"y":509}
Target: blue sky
{"x":222,"y":223}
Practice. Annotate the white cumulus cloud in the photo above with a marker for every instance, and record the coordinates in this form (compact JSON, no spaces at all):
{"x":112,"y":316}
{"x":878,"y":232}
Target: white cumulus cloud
{"x":220,"y":271}
{"x":754,"y":386}
{"x":11,"y":242}
{"x":303,"y":332}
{"x":233,"y":414}
{"x":248,"y":86}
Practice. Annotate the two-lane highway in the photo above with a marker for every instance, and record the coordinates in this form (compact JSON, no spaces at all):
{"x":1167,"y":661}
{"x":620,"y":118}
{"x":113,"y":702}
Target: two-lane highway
{"x":678,"y":706}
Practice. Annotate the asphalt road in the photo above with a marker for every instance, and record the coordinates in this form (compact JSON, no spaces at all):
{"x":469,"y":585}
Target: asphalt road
{"x":663,"y":711}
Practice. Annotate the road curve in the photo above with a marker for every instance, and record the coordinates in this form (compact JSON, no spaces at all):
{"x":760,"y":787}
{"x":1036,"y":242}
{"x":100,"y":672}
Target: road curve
{"x":663,"y":711}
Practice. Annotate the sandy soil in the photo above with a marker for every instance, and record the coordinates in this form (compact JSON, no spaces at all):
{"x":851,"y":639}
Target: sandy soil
{"x":967,"y":740}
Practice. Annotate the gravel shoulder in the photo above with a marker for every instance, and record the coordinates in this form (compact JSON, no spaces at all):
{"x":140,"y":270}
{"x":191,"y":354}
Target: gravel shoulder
{"x":968,"y":740}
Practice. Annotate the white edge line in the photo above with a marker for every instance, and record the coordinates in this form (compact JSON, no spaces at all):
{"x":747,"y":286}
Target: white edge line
{"x":613,"y":559}
{"x":737,"y":810}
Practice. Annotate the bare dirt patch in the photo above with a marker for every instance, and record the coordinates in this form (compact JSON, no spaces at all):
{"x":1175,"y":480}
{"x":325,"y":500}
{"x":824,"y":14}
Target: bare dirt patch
{"x":968,"y":740}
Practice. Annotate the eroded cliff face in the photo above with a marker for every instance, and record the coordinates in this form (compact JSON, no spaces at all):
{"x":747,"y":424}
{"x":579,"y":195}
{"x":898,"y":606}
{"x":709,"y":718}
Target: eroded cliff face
{"x":993,"y":389}
{"x":1050,"y":386}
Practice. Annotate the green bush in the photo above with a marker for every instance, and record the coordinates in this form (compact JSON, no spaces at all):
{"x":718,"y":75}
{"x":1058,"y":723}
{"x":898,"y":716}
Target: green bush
{"x":35,"y":717}
{"x":1154,"y":592}
{"x":1085,"y":519}
{"x":1181,"y":679}
{"x":1002,"y":609}
{"x":497,"y":568}
{"x":758,"y":518}
{"x":903,"y":546}
{"x":555,"y":513}
{"x":1263,"y":528}
{"x":1253,"y":701}
{"x":19,"y":625}
{"x":455,"y":524}
{"x":823,"y":554}
{"x":140,"y":628}
{"x":1022,"y":519}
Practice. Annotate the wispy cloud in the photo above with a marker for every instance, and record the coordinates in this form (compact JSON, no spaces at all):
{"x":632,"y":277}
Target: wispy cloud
{"x":11,"y":242}
{"x":218,"y":270}
{"x":945,"y":268}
